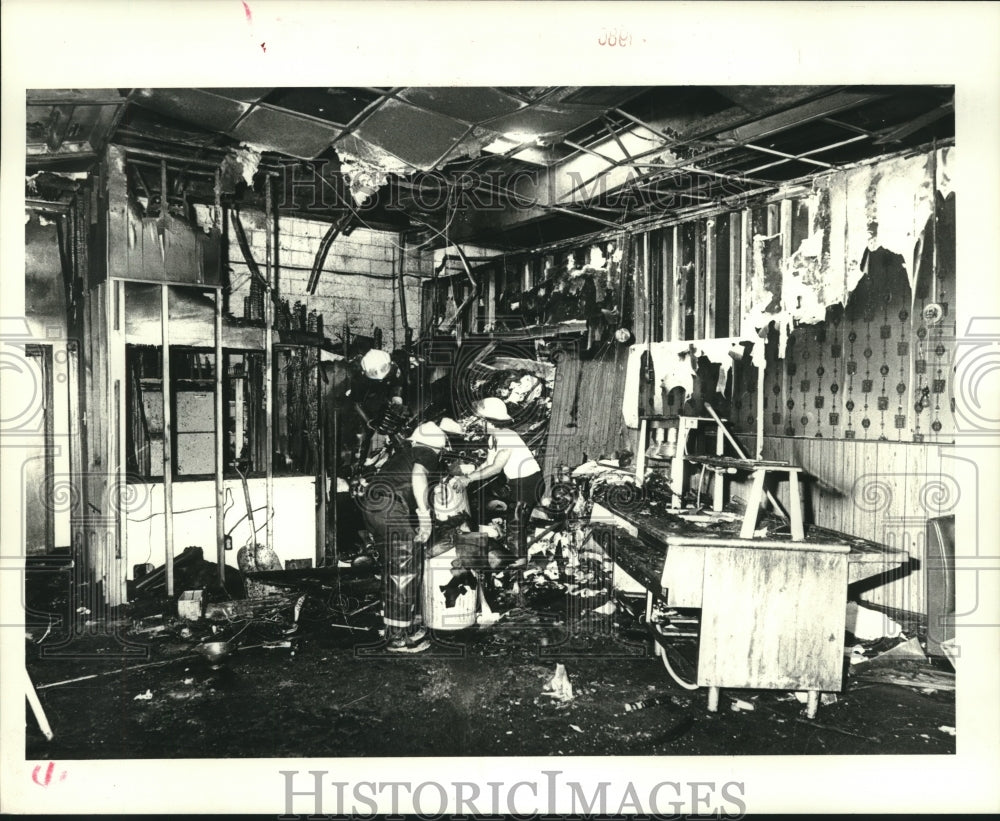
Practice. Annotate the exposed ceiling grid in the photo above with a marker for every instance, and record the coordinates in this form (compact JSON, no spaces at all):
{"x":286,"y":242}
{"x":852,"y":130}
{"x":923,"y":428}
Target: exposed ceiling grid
{"x":603,"y":150}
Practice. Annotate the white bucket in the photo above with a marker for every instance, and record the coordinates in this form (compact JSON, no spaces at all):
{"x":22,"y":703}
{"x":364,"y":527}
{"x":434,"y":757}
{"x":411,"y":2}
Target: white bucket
{"x":449,"y":603}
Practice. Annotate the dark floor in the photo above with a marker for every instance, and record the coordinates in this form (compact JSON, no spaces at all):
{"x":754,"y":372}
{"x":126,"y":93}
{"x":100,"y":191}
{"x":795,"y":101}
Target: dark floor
{"x":479,"y":694}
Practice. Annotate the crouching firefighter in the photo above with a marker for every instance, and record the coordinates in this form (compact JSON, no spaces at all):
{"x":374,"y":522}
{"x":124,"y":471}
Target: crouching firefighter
{"x":397,"y":512}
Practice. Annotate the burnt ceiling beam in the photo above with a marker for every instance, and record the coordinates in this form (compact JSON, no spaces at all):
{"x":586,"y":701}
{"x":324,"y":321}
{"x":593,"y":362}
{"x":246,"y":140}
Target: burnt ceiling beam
{"x":847,"y":126}
{"x":827,"y":106}
{"x":36,"y":204}
{"x":563,"y":210}
{"x":686,"y":168}
{"x":664,"y":167}
{"x":808,"y":153}
{"x":611,"y":162}
{"x":169,"y":156}
{"x":901,"y":132}
{"x":788,"y":157}
{"x":178,"y":169}
{"x":583,"y":177}
{"x":609,"y":127}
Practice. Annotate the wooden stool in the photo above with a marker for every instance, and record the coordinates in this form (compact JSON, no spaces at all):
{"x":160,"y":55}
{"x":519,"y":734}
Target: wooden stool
{"x":757,"y":497}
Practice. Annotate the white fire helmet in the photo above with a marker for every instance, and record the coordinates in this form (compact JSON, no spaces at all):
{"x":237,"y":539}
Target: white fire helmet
{"x":492,"y":408}
{"x":376,"y":364}
{"x":430,"y":435}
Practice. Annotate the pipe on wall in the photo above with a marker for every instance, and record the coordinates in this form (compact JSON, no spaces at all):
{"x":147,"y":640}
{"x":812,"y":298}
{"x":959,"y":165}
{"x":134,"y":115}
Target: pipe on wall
{"x":168,"y":465}
{"x":268,"y":368}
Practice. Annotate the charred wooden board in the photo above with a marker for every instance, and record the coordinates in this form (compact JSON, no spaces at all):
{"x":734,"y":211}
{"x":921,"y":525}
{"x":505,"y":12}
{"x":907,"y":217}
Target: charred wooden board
{"x":250,"y":608}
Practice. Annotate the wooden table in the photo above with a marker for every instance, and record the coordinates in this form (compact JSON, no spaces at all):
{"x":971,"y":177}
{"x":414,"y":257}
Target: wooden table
{"x":772,"y":609}
{"x":759,"y":469}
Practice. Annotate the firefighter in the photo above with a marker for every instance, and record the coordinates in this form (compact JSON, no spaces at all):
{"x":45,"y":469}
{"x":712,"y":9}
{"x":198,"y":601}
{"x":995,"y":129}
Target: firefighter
{"x":397,"y":512}
{"x":508,"y":454}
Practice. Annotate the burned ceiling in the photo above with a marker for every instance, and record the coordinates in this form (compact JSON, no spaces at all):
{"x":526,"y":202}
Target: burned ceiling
{"x":532,"y":164}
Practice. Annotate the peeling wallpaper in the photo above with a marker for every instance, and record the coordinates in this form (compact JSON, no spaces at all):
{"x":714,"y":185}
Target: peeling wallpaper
{"x":876,"y":369}
{"x":871,"y":288}
{"x":851,"y":223}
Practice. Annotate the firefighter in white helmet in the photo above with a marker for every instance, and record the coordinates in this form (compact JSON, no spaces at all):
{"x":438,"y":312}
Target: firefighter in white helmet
{"x":377,"y":394}
{"x":507,"y":454}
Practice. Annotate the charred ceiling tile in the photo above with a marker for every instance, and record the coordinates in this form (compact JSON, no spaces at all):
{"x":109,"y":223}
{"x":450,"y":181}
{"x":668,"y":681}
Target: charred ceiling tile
{"x":148,"y":124}
{"x":75,"y":96}
{"x":543,"y":120}
{"x":529,"y":93}
{"x":604,"y":96}
{"x":192,"y":105}
{"x":335,"y":105}
{"x":364,"y":178}
{"x":472,"y":144}
{"x":761,"y":99}
{"x":243,"y":95}
{"x":418,"y":138}
{"x":285,"y":133}
{"x":468,"y":104}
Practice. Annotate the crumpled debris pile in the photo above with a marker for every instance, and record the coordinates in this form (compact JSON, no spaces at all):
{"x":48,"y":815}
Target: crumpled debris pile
{"x":607,"y":483}
{"x":569,"y":562}
{"x":867,"y":650}
{"x":596,"y":480}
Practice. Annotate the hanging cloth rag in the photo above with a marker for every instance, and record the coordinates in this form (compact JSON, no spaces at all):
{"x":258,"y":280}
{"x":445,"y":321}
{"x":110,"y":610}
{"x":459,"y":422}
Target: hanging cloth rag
{"x":675,"y":365}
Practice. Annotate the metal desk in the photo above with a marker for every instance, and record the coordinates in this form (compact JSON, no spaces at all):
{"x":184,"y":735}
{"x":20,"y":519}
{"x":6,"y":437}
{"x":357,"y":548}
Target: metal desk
{"x":772,"y":609}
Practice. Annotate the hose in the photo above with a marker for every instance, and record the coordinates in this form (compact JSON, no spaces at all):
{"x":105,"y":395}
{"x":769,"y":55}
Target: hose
{"x":670,"y":670}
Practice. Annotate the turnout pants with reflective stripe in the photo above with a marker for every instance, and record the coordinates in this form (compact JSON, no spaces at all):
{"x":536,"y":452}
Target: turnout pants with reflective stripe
{"x":402,"y":563}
